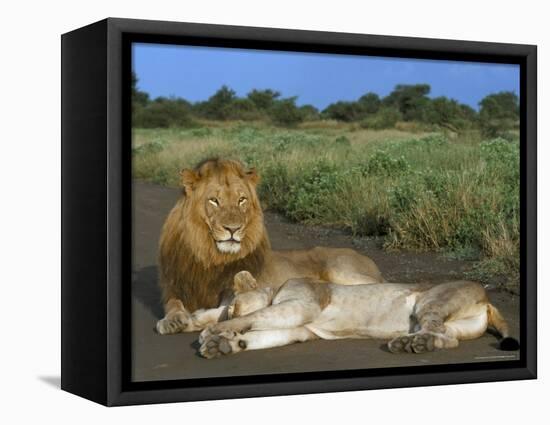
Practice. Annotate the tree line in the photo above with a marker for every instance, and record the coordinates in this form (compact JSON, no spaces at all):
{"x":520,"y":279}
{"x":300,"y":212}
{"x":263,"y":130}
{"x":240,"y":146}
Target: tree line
{"x":498,"y":113}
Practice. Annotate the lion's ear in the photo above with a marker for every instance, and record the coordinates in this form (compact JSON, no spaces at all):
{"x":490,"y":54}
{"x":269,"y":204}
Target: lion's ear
{"x":253,"y":176}
{"x":188,"y":179}
{"x":244,"y":282}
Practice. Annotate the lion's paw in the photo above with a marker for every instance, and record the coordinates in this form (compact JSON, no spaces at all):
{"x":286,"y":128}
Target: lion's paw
{"x":419,"y":343}
{"x":218,"y":344}
{"x":174,"y":323}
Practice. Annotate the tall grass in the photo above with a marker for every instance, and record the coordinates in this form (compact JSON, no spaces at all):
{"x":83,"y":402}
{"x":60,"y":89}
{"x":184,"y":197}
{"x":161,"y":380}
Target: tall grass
{"x":418,"y":191}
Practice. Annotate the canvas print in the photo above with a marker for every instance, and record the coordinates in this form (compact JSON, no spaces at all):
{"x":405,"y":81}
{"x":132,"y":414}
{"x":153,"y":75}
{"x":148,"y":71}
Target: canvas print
{"x":304,"y":212}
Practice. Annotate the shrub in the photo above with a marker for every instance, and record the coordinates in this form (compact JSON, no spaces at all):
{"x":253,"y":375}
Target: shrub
{"x":218,"y":106}
{"x":432,"y":140}
{"x":386,"y":117}
{"x":343,"y":111}
{"x":201,"y":132}
{"x":369,"y":103}
{"x":448,"y":113}
{"x":243,"y":109}
{"x":162,"y":113}
{"x":154,"y":146}
{"x":274,"y":189}
{"x":139,"y":98}
{"x":410,"y":100}
{"x":499,"y":113}
{"x":285,"y":113}
{"x":309,"y":190}
{"x":342,"y":141}
{"x":263,"y":99}
{"x":412,"y":126}
{"x":381,"y":163}
{"x":497,"y":127}
{"x":309,"y":113}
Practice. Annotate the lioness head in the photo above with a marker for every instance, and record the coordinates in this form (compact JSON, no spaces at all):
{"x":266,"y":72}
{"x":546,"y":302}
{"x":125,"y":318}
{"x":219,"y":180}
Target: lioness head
{"x":221,"y":200}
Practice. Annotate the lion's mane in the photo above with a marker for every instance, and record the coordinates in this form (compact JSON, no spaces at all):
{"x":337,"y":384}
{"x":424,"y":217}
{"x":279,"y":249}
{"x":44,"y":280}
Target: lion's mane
{"x":191,"y":268}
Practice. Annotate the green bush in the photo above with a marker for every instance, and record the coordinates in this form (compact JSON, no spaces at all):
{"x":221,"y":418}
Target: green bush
{"x":411,"y":100}
{"x":310,"y":189}
{"x":448,"y":113}
{"x":342,"y":141}
{"x":381,"y":163}
{"x":343,"y":111}
{"x":263,"y":99}
{"x":243,"y":109}
{"x":309,"y":113}
{"x":369,"y":103}
{"x":499,"y":113}
{"x":219,"y":105}
{"x":162,"y":113}
{"x":274,"y":189}
{"x":201,"y":132}
{"x":386,"y":117}
{"x":285,"y":113}
{"x":154,"y":146}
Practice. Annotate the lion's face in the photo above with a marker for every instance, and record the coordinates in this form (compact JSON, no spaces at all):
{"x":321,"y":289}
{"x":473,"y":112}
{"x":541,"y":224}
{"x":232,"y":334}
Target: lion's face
{"x":227,"y":211}
{"x":222,"y":197}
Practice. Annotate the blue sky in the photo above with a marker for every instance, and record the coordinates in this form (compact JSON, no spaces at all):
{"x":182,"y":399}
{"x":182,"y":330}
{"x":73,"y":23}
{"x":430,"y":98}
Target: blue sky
{"x":195,"y":73}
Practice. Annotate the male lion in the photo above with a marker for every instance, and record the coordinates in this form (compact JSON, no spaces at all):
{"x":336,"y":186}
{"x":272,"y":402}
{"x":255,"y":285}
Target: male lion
{"x":415,"y":317}
{"x":215,"y":230}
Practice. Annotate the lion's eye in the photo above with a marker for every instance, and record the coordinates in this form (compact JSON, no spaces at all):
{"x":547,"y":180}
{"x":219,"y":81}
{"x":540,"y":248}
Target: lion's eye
{"x":242,"y":200}
{"x":214,"y":202}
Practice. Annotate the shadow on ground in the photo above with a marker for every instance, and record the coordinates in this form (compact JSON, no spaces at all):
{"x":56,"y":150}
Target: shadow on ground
{"x":54,"y":381}
{"x":145,"y":289}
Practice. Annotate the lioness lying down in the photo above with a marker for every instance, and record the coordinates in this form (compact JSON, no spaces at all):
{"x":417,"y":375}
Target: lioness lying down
{"x":415,"y":318}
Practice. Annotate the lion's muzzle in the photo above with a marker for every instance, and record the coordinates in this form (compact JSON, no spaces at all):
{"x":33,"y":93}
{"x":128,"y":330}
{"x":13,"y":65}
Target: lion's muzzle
{"x":230,"y":246}
{"x":230,"y":240}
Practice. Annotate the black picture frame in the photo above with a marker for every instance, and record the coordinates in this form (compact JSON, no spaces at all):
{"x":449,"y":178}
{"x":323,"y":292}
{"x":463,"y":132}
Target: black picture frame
{"x":97,"y":225}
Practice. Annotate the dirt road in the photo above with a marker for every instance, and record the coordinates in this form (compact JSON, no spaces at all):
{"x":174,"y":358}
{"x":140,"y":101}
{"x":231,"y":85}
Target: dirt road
{"x":158,"y":357}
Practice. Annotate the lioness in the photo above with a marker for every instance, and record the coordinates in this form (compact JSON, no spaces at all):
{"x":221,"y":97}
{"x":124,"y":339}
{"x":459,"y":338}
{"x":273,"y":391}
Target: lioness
{"x":415,"y":317}
{"x":215,"y":230}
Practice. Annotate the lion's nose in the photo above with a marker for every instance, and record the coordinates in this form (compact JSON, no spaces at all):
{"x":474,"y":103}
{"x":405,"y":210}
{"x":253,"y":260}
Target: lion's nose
{"x":232,"y":228}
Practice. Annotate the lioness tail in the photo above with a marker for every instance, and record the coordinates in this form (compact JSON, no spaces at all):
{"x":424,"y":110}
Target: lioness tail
{"x":506,"y":343}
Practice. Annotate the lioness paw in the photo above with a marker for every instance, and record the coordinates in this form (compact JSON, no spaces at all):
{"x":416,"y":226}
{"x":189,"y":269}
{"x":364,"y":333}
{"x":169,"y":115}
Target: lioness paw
{"x":174,"y":323}
{"x":418,"y":343}
{"x":401,"y":344}
{"x":218,"y":328}
{"x":205,"y":334}
{"x":423,"y":342}
{"x":216,"y":345}
{"x":208,"y":333}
